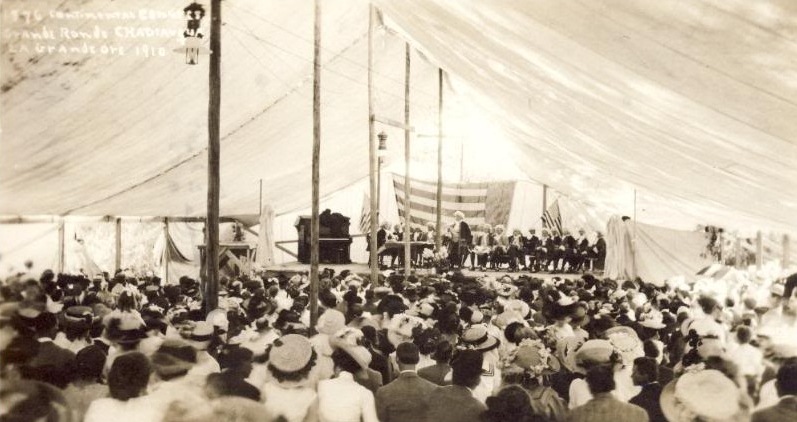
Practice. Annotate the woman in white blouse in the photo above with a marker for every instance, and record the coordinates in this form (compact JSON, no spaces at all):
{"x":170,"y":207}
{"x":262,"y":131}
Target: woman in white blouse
{"x":342,"y":399}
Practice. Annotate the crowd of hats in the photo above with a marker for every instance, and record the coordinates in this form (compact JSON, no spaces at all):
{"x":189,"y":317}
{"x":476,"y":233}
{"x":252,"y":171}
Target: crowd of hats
{"x":540,"y":328}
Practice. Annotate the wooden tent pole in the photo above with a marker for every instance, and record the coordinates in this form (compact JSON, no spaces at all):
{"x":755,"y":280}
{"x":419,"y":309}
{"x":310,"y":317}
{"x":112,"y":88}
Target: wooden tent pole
{"x":118,"y":254}
{"x":166,"y":256}
{"x":314,"y":223}
{"x":214,"y":152}
{"x":61,"y":246}
{"x":738,"y":252}
{"x":438,"y":239}
{"x":544,"y":199}
{"x":407,"y":187}
{"x":372,"y":156}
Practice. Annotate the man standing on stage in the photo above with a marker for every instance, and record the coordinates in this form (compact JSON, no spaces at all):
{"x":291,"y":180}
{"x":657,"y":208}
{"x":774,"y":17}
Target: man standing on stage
{"x":461,"y":239}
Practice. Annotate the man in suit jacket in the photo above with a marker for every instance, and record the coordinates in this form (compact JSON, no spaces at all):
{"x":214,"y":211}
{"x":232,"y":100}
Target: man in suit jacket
{"x":405,"y":399}
{"x":786,"y":409}
{"x":604,"y":407}
{"x":646,"y":375}
{"x":461,"y":239}
{"x":436,"y":374}
{"x":455,"y":403}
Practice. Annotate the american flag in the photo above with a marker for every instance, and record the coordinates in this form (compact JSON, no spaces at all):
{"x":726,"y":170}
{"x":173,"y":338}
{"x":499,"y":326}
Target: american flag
{"x":552,"y":219}
{"x":480,"y":202}
{"x":365,"y":216}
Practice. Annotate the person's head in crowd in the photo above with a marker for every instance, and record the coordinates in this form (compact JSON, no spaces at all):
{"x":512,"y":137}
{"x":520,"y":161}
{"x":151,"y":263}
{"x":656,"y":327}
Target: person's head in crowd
{"x":645,"y":371}
{"x":129,"y":376}
{"x":600,"y":379}
{"x":89,"y":363}
{"x":291,"y":359}
{"x":467,"y":368}
{"x":226,"y":384}
{"x":709,"y":306}
{"x":653,"y":350}
{"x":173,"y":359}
{"x":443,"y":353}
{"x":786,"y":379}
{"x":407,"y":356}
{"x":510,"y":404}
{"x":25,"y":400}
{"x":743,"y":334}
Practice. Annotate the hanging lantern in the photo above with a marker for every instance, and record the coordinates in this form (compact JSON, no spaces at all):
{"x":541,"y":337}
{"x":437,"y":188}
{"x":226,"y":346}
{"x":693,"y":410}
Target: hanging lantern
{"x":192,"y":35}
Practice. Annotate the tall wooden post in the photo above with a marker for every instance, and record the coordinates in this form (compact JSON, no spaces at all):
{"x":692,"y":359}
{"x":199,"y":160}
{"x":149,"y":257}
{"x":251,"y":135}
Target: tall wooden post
{"x":544,"y":199}
{"x":118,"y":255}
{"x":786,"y":260}
{"x":372,"y":156}
{"x":438,"y":239}
{"x":759,"y":250}
{"x":214,"y":152}
{"x":407,"y":204}
{"x":61,"y":246}
{"x":314,"y":224}
{"x":738,"y":252}
{"x":166,"y":256}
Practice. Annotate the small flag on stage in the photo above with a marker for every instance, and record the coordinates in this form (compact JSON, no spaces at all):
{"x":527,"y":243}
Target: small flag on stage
{"x":552,"y":219}
{"x":365,"y":217}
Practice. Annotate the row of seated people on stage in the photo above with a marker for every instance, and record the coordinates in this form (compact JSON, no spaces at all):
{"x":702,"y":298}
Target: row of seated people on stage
{"x":494,"y":247}
{"x":486,"y":247}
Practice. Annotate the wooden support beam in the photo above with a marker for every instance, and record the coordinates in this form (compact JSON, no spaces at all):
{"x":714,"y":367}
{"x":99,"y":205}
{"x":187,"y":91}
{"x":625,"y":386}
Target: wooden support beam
{"x":61,"y":247}
{"x":373,"y":163}
{"x":407,"y":183}
{"x":438,"y":235}
{"x":759,"y":250}
{"x":214,"y":153}
{"x":118,"y":245}
{"x":279,"y":246}
{"x":390,"y":122}
{"x":166,"y":256}
{"x":738,"y":252}
{"x":314,"y":223}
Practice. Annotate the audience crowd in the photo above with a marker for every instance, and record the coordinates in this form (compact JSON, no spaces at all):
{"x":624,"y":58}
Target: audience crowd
{"x":449,"y":348}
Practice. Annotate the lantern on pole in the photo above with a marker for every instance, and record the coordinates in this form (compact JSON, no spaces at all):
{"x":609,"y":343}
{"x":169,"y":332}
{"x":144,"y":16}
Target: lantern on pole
{"x":192,"y":43}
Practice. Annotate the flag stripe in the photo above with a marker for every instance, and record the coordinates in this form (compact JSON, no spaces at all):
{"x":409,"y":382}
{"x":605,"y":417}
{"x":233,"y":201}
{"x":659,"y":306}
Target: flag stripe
{"x":365,"y":216}
{"x":417,"y":191}
{"x":446,"y":205}
{"x":433,"y":210}
{"x":448,"y":189}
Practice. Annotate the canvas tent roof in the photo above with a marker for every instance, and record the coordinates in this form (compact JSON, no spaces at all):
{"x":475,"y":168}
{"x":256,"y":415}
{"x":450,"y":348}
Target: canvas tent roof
{"x":690,"y":102}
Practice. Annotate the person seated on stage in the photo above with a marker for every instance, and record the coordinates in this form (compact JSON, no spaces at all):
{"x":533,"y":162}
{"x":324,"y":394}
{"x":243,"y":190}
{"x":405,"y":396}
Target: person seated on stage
{"x":530,"y":245}
{"x":429,"y":235}
{"x":556,"y":253}
{"x":417,"y":236}
{"x":582,"y":244}
{"x":461,"y":240}
{"x":544,"y":251}
{"x":500,"y":246}
{"x":484,"y":245}
{"x":515,"y":250}
{"x":570,"y":255}
{"x":397,"y":236}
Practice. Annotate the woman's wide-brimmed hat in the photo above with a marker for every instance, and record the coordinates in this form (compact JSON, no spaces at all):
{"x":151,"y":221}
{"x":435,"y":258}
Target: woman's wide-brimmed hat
{"x":477,"y":338}
{"x":290,"y":353}
{"x":703,"y":394}
{"x":350,"y":341}
{"x":531,"y":356}
{"x":592,"y":352}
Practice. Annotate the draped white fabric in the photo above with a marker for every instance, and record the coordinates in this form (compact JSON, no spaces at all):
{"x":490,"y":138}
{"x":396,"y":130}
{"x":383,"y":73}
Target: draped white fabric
{"x":691,"y":102}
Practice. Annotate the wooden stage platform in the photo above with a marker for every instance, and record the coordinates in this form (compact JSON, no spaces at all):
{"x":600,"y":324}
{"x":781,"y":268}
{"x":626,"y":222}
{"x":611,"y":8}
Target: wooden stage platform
{"x":291,"y":268}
